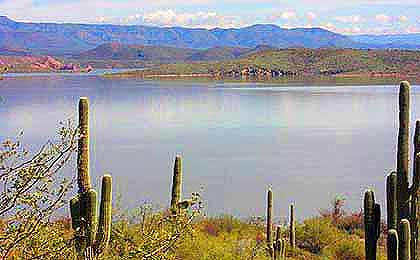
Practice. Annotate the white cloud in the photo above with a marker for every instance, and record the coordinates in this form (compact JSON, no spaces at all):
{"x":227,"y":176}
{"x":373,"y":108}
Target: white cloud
{"x":311,"y":16}
{"x":288,"y":15}
{"x":349,"y":19}
{"x":403,"y":19}
{"x":171,"y":17}
{"x":382,"y":18}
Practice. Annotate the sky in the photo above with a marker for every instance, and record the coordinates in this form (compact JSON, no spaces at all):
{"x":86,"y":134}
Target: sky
{"x":342,"y":16}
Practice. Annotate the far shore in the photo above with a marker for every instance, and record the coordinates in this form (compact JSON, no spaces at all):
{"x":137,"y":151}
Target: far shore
{"x":339,"y":79}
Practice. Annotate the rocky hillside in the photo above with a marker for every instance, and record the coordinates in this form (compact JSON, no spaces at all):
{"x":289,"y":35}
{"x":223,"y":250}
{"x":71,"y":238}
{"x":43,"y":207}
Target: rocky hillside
{"x":36,"y":64}
{"x":305,"y":62}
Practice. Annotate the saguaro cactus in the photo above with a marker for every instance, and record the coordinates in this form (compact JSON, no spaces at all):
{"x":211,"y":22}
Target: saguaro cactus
{"x":91,"y":235}
{"x":415,"y":194}
{"x":292,"y":234}
{"x":279,"y":246}
{"x":403,"y":195}
{"x":177,"y":203}
{"x":269,"y":231}
{"x":372,"y":216}
{"x":176,"y":184}
{"x":392,"y":244}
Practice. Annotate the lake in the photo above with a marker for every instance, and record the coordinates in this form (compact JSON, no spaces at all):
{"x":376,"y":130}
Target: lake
{"x":308,"y":143}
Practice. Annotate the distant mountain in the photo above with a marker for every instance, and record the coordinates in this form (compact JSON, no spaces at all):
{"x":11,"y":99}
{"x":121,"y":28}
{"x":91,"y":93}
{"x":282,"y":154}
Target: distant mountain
{"x":390,"y":41}
{"x":68,"y":39}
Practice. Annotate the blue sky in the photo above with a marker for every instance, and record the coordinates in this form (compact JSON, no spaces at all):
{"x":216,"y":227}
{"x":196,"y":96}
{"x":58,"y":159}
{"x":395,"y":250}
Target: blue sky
{"x":348,"y":17}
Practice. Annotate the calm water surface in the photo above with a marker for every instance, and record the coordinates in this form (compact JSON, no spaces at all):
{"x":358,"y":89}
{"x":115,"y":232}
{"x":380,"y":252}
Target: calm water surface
{"x":308,"y":143}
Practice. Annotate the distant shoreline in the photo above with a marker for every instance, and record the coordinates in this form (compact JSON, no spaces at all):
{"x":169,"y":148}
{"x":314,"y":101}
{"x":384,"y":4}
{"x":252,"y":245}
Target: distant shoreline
{"x":344,"y":79}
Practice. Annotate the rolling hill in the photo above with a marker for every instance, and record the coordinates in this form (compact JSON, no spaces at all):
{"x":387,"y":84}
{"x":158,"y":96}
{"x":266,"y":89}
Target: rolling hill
{"x":301,"y":61}
{"x":161,"y":54}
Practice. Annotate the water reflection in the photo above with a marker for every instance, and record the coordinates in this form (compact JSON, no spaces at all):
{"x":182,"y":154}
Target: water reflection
{"x":309,"y":144}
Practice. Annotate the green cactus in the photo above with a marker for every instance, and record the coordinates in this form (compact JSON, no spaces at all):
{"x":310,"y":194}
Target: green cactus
{"x":292,"y":234}
{"x":403,"y":152}
{"x":177,"y":203}
{"x":283,"y":250}
{"x":269,"y":230}
{"x":415,"y":193}
{"x":176,"y":183}
{"x":391,"y":199}
{"x":91,"y":235}
{"x":404,"y":237}
{"x":277,"y":244}
{"x":372,"y":216}
{"x":392,"y":244}
{"x":83,"y":177}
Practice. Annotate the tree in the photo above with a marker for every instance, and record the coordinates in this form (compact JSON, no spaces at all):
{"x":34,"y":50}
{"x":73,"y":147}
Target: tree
{"x":31,"y":193}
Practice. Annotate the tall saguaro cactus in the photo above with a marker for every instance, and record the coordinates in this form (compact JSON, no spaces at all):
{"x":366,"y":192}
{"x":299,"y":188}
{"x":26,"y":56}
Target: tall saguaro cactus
{"x":414,"y":222}
{"x":372,"y":218}
{"x":403,"y":195}
{"x":292,"y":231}
{"x":91,"y":234}
{"x":407,"y":196}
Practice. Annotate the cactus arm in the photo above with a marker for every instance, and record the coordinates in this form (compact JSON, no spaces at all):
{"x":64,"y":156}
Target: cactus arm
{"x":176,"y":184}
{"x":392,"y":244}
{"x":391,"y":195}
{"x":83,"y":176}
{"x":404,"y":238}
{"x":403,"y":151}
{"x":88,"y":215}
{"x":75,"y":213}
{"x":105,"y":214}
{"x":283,"y":249}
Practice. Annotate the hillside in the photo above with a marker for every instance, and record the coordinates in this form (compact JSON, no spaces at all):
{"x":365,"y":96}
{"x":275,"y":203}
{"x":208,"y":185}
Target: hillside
{"x":125,"y":53}
{"x":299,"y":61}
{"x":28,"y":63}
{"x":70,"y":39}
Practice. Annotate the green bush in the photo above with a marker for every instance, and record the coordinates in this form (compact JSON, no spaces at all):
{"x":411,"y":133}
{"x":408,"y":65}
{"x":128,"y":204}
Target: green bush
{"x":316,"y":233}
{"x":351,"y":248}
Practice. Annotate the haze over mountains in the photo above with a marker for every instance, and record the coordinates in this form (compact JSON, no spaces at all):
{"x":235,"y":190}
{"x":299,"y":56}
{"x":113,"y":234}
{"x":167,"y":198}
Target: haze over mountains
{"x":76,"y":39}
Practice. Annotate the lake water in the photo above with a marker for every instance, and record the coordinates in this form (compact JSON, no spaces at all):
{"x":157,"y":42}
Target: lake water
{"x":308,"y":143}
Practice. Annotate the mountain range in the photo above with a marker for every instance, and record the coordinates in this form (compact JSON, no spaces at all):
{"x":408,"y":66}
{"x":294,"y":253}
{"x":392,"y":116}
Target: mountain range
{"x":71,"y":39}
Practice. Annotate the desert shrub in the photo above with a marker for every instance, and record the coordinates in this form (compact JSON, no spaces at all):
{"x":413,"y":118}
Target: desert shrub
{"x":349,"y":222}
{"x":316,"y":233}
{"x":234,"y":239}
{"x":150,"y":233}
{"x":31,"y":193}
{"x":349,"y":248}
